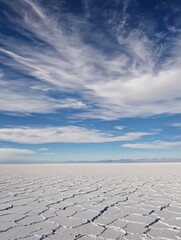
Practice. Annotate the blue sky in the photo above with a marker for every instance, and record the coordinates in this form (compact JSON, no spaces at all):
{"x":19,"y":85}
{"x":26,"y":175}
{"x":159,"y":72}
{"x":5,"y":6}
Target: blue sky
{"x":90,"y":80}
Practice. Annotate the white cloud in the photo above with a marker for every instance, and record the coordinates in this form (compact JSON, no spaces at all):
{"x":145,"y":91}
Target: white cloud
{"x":152,"y":145}
{"x":145,"y":95}
{"x":119,"y":127}
{"x":43,"y":149}
{"x":17,"y":97}
{"x":11,"y":154}
{"x":70,"y":134}
{"x":176,"y":125}
{"x":136,"y":81}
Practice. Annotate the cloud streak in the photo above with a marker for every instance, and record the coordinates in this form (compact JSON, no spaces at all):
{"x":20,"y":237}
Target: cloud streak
{"x":17,"y":97}
{"x":12,"y":154}
{"x":127,"y":78}
{"x":70,"y":134}
{"x":178,"y":125}
{"x":152,"y":145}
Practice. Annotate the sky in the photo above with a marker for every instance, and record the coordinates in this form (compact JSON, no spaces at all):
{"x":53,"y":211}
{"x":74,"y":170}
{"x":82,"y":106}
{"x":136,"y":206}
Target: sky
{"x":88,"y":80}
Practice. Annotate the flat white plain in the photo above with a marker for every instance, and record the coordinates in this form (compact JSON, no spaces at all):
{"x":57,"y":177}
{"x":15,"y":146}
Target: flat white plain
{"x":90,"y":201}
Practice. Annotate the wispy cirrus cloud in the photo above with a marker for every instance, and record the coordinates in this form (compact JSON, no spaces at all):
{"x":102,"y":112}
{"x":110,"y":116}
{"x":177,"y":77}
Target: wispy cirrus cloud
{"x":43,"y":149}
{"x":120,"y":127}
{"x":17,"y":97}
{"x":178,"y":125}
{"x":70,"y":134}
{"x":129,"y":74}
{"x":12,"y":154}
{"x":152,"y":145}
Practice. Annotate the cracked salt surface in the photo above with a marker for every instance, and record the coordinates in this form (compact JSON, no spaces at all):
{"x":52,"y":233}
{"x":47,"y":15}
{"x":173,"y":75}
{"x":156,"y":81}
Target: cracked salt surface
{"x":89,"y":202}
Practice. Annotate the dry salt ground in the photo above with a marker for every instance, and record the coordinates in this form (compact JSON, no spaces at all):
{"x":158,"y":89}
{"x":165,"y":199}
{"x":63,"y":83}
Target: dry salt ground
{"x":91,"y":201}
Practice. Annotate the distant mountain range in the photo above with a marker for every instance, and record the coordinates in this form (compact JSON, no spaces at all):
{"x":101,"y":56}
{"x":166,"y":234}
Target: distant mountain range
{"x":154,"y":160}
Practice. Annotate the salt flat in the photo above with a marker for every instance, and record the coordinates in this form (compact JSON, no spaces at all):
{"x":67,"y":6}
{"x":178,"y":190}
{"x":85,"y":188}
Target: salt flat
{"x":91,"y":201}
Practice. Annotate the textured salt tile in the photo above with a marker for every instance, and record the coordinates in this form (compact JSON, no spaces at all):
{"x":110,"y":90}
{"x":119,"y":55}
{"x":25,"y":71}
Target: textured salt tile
{"x":18,"y":232}
{"x":132,"y":237}
{"x":60,"y":205}
{"x":60,"y":237}
{"x":22,"y":202}
{"x":65,"y":213}
{"x":167,"y":215}
{"x":32,"y":238}
{"x":47,"y":225}
{"x":148,"y":208}
{"x":3,"y":195}
{"x":134,"y":198}
{"x":5,"y":207}
{"x":118,"y":224}
{"x":67,"y":222}
{"x":139,"y":219}
{"x":56,"y":197}
{"x":6,"y":200}
{"x":90,"y":206}
{"x":30,"y":219}
{"x":43,"y":232}
{"x":148,"y":205}
{"x":175,"y":203}
{"x":21,"y":209}
{"x":64,"y":231}
{"x":89,"y":229}
{"x":11,"y":217}
{"x":173,"y":222}
{"x":104,"y":220}
{"x":75,"y":208}
{"x":4,"y":213}
{"x":86,"y":214}
{"x":48,"y":213}
{"x":145,"y":237}
{"x":159,"y":224}
{"x":163,"y":233}
{"x":174,"y":209}
{"x":97,"y":199}
{"x":112,"y":201}
{"x":91,"y":238}
{"x":110,"y":233}
{"x":136,"y":210}
{"x":6,"y":225}
{"x":112,"y":210}
{"x":78,"y":200}
{"x":126,"y":202}
{"x":135,"y":228}
{"x":116,"y":215}
{"x":37,"y":208}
